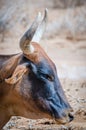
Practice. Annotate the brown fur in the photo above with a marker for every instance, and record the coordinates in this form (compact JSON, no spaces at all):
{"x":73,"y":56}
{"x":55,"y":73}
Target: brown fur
{"x":8,"y":67}
{"x":38,"y":54}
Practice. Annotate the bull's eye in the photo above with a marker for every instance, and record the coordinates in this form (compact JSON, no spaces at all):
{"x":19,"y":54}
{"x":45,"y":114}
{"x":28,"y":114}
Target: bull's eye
{"x":50,"y":77}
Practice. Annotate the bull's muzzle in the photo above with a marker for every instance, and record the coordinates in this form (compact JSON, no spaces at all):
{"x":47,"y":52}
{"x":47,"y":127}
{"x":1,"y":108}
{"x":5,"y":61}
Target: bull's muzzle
{"x":65,"y":118}
{"x":61,"y":115}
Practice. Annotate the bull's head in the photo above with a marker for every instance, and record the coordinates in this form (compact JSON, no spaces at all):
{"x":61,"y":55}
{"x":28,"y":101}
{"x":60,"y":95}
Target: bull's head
{"x":36,"y":91}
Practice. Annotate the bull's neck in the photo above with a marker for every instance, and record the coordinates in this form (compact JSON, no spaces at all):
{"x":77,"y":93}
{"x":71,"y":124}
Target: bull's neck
{"x":4,"y":117}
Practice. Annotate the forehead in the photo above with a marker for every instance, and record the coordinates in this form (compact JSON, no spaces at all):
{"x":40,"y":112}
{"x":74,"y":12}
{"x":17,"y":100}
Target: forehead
{"x":46,"y":66}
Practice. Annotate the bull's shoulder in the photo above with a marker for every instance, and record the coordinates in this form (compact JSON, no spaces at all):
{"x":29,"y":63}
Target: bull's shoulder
{"x":3,"y":58}
{"x":8,"y":64}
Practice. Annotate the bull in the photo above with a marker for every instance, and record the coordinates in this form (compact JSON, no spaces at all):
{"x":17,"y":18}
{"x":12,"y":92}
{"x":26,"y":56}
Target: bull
{"x":29,"y":85}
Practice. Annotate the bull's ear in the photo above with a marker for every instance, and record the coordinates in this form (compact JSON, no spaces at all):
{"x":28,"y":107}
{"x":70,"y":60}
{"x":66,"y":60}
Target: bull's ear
{"x":17,"y":74}
{"x":9,"y":66}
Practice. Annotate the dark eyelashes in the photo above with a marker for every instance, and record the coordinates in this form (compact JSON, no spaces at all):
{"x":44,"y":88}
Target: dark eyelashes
{"x":50,"y":77}
{"x":47,"y":76}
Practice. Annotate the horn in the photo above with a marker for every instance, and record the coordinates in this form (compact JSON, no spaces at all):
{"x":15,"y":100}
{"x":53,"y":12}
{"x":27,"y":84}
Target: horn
{"x":41,"y":28}
{"x":34,"y":33}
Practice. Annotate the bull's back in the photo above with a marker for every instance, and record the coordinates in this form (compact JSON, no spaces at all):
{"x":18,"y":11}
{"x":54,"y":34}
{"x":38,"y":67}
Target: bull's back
{"x":3,"y":58}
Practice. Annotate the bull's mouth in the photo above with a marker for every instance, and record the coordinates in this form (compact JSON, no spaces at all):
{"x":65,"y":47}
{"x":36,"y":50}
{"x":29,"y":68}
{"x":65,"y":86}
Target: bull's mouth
{"x":55,"y":112}
{"x":61,"y":115}
{"x":61,"y":120}
{"x":68,"y":118}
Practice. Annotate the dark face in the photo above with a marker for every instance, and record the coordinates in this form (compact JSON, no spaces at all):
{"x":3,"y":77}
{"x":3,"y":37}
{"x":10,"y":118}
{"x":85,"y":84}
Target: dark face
{"x":47,"y":92}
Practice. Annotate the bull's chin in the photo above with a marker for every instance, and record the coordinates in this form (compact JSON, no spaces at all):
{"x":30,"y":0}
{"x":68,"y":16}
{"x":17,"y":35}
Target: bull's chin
{"x":62,"y":121}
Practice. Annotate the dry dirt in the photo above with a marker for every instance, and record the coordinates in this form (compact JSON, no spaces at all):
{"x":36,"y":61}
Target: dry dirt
{"x":69,"y":55}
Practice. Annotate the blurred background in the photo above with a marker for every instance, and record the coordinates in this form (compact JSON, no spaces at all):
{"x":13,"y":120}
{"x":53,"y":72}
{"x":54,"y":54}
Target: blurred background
{"x":64,"y":41}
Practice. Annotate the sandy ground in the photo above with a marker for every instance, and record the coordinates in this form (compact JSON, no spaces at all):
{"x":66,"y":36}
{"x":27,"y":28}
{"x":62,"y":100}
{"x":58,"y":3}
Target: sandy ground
{"x":69,"y":56}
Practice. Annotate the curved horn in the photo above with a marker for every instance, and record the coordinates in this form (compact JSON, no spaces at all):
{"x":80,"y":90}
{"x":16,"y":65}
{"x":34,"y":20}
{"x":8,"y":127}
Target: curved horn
{"x":41,"y":28}
{"x":34,"y":33}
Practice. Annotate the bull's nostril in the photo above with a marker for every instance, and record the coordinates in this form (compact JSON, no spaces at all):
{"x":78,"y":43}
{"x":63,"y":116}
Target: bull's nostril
{"x":71,"y":117}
